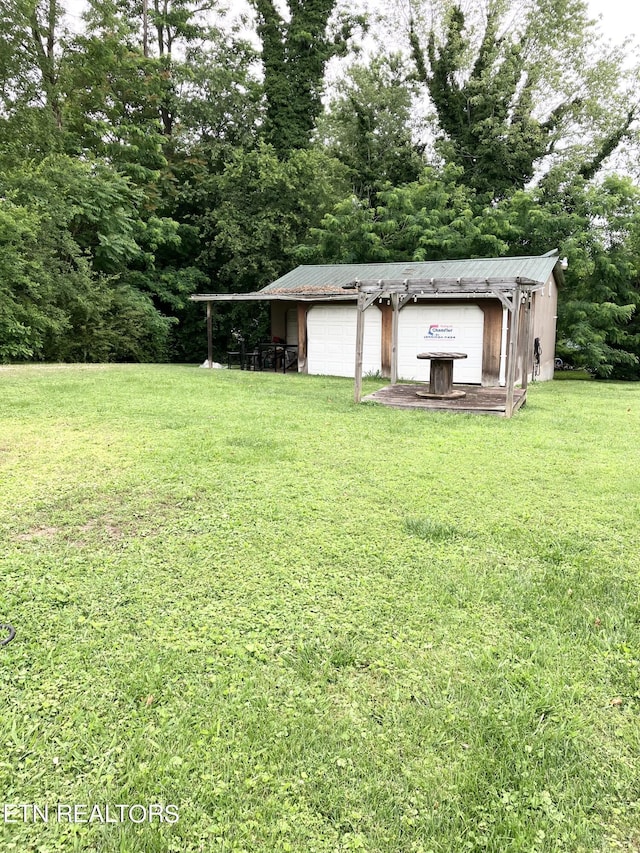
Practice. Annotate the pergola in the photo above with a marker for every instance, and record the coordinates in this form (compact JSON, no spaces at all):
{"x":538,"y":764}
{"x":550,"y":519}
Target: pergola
{"x":514,"y":293}
{"x":506,"y":287}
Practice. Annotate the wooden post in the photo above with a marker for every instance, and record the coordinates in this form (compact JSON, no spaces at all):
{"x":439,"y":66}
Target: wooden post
{"x":209,"y":337}
{"x":357,"y":392}
{"x":513,"y":349}
{"x":385,"y":339}
{"x":302,"y":338}
{"x":395,"y":311}
{"x":526,"y":354}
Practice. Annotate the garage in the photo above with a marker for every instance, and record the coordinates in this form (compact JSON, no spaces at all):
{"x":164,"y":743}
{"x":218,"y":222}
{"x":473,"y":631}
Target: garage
{"x":497,"y":317}
{"x":441,"y":328}
{"x":331,"y":335}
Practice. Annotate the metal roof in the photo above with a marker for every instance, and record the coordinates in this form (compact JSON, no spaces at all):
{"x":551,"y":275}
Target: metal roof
{"x":331,"y":278}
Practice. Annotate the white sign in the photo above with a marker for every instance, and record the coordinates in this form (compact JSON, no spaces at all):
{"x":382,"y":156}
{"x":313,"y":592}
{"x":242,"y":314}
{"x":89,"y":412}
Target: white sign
{"x":440,"y":332}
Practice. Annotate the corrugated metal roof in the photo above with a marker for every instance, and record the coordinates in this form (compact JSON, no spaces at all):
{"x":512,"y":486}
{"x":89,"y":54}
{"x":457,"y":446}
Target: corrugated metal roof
{"x":328,"y":278}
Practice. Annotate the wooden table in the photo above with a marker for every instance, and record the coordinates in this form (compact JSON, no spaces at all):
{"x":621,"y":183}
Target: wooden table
{"x":441,"y":375}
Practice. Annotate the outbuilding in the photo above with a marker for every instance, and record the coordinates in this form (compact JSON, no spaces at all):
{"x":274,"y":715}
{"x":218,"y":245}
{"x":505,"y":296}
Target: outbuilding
{"x":350,"y":319}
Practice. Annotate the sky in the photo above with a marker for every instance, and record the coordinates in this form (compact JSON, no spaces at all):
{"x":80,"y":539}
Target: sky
{"x":620,"y":18}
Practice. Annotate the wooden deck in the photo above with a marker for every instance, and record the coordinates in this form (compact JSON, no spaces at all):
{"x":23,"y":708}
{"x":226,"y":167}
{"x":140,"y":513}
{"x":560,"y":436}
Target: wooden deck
{"x":479,"y":401}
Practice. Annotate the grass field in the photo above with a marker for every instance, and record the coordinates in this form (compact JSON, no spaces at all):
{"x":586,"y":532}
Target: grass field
{"x":312,"y":626}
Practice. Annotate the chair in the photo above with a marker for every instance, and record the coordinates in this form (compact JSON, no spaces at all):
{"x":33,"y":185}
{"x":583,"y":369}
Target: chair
{"x":252,"y":360}
{"x":233,"y":356}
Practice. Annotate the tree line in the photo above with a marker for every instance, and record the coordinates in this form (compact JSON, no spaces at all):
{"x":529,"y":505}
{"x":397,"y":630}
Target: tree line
{"x":163,"y":150}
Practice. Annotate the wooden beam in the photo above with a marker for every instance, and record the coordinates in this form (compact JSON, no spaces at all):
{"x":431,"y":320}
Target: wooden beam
{"x":209,"y":337}
{"x":395,"y":312}
{"x":514,"y":322}
{"x":370,"y":299}
{"x":309,"y":296}
{"x":424,"y":287}
{"x":504,"y":298}
{"x":357,"y":391}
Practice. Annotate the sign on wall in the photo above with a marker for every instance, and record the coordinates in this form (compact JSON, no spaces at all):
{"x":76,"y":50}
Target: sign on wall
{"x":440,"y":332}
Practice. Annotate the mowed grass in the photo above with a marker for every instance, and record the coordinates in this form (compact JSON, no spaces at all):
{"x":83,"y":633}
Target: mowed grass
{"x":315,"y":626}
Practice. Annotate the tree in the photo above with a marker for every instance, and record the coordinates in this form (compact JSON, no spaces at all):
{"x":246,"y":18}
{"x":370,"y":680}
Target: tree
{"x":369,"y":126}
{"x":24,"y":320}
{"x":251,"y":218}
{"x":112,"y":107}
{"x":32,"y":46}
{"x":596,"y":227}
{"x":598,"y":322}
{"x":260,"y":208}
{"x":295,"y":52}
{"x":512,"y":84}
{"x":433,"y":218}
{"x":75,"y":251}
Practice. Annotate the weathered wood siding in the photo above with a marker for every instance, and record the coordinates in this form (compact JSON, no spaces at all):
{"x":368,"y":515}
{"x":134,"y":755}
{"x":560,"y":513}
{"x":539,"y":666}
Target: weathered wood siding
{"x":491,"y":341}
{"x":387,"y":326}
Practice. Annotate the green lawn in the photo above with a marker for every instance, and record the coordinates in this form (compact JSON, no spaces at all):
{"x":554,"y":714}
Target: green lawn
{"x":315,"y":626}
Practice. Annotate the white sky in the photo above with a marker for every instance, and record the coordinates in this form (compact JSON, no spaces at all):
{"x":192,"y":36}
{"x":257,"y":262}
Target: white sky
{"x":619,"y":18}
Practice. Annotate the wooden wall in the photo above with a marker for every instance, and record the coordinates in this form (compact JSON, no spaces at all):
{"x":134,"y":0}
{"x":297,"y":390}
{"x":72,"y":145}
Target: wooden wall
{"x":491,"y":341}
{"x":387,"y":316}
{"x":545,"y":310}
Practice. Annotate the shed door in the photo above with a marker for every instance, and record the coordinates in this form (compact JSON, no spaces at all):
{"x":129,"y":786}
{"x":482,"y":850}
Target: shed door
{"x":441,"y":328}
{"x":331,"y":340}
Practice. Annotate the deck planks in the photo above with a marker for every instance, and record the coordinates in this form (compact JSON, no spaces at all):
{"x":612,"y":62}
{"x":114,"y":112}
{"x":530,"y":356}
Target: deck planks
{"x":477,"y":400}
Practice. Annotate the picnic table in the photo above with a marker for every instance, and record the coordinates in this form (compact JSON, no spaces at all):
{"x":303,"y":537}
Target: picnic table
{"x":441,"y":375}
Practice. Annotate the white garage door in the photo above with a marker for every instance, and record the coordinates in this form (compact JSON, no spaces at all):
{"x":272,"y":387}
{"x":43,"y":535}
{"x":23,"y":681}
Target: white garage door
{"x":441,"y":328}
{"x":331,"y":340}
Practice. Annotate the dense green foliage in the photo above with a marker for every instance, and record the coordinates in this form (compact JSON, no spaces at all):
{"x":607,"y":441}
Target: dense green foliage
{"x":370,"y":126}
{"x":304,"y":647}
{"x":75,"y":244}
{"x":159,"y":152}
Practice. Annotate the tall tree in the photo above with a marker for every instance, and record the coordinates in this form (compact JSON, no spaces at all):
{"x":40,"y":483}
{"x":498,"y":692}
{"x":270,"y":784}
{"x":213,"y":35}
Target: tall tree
{"x":295,"y":50}
{"x":165,"y":38}
{"x":251,"y":218}
{"x":275,"y":202}
{"x":32,"y":48}
{"x":512,"y":83}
